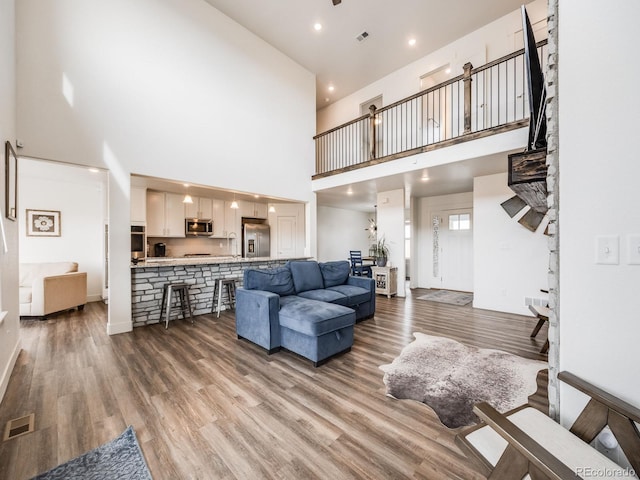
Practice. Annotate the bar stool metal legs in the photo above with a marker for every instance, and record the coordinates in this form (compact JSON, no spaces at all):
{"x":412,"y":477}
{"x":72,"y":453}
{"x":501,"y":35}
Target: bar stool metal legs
{"x":230,"y":283}
{"x":182,"y":289}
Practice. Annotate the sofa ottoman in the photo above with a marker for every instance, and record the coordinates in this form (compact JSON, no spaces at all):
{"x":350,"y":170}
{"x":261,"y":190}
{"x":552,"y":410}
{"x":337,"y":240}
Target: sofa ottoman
{"x":316,"y":330}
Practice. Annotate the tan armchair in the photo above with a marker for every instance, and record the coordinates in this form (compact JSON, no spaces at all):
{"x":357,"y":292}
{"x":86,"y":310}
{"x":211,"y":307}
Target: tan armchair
{"x":47,"y":288}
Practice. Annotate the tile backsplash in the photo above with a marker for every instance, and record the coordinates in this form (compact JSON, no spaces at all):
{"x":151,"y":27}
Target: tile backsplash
{"x":179,"y":247}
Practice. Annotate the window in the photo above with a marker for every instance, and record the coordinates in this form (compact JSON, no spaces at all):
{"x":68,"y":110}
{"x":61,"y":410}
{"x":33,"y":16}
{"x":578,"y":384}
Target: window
{"x":460,"y":221}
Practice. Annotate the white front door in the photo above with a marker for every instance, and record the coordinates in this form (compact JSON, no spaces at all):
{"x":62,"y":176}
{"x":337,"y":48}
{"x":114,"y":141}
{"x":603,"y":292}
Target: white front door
{"x":456,"y":250}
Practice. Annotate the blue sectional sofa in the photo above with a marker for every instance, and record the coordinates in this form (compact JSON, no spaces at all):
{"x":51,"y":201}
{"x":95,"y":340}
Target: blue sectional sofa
{"x":306,"y":307}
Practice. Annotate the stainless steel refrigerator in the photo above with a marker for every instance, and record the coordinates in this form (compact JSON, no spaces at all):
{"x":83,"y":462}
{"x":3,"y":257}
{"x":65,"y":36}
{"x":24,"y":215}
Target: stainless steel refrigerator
{"x":256,"y":240}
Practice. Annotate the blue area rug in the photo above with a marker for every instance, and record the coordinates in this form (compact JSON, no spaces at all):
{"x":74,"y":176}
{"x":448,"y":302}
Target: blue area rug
{"x":120,"y":459}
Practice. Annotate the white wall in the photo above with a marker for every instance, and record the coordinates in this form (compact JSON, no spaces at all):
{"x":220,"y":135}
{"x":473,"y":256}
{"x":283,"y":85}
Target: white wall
{"x":423,"y":233}
{"x":341,"y":230}
{"x":479,"y":47}
{"x":171,"y":89}
{"x":510,"y":262}
{"x":80,"y":197}
{"x":599,"y":195}
{"x":9,"y":327}
{"x":390,"y":222}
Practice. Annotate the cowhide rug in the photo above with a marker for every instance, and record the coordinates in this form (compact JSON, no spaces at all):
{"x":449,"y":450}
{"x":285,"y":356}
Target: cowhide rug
{"x":451,"y":378}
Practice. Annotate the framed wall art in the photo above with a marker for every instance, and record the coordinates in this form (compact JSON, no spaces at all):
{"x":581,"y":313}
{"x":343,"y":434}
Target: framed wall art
{"x":11,"y":180}
{"x":43,"y":223}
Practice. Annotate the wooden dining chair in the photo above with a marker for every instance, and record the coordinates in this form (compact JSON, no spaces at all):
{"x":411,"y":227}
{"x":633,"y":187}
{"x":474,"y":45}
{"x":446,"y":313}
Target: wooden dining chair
{"x":358,"y":269}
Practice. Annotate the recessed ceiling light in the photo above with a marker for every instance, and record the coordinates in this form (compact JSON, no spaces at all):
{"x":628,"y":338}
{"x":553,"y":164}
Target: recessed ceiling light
{"x":317,"y":27}
{"x":412,"y":42}
{"x":331,"y":88}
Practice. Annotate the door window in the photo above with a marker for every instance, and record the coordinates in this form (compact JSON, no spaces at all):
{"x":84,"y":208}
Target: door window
{"x":461,"y":221}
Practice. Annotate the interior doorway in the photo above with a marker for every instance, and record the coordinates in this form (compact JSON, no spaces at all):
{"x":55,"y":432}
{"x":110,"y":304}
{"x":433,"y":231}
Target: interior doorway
{"x":454,"y":250}
{"x":78,"y":196}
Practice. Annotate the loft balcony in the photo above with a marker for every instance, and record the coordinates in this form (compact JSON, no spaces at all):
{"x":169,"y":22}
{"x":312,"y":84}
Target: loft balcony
{"x":482,"y":101}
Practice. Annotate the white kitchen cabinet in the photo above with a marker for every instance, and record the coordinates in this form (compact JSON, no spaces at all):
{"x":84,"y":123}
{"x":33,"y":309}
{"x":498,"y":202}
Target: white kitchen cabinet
{"x":165,"y":215}
{"x":138,"y":205}
{"x":232,"y":220}
{"x":217,"y":217}
{"x":253,"y":210}
{"x":261,"y":210}
{"x":200,"y":208}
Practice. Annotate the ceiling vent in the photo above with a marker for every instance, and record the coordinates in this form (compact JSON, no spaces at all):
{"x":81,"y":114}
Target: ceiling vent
{"x":362,"y":36}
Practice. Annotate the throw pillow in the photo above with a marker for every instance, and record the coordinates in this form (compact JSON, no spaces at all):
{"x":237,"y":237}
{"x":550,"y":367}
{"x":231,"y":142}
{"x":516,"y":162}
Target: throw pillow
{"x":335,"y":273}
{"x":306,"y":275}
{"x":275,"y":280}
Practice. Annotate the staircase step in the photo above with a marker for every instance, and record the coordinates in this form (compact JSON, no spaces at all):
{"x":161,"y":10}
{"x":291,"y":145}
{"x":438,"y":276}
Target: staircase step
{"x":513,"y":205}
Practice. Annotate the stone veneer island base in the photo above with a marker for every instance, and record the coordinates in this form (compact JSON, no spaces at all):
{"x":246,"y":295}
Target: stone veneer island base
{"x":149,"y":278}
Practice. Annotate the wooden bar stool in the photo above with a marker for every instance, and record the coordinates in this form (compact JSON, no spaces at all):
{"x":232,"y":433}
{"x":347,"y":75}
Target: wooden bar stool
{"x":182,"y":289}
{"x":230,"y":283}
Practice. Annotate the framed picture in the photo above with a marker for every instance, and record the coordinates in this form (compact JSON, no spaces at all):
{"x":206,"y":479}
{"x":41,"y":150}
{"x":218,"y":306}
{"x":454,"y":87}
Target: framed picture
{"x":43,"y":223}
{"x":11,"y":179}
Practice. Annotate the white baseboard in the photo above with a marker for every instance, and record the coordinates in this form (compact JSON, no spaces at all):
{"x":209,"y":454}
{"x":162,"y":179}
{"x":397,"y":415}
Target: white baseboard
{"x":114,"y":329}
{"x":94,"y":298}
{"x":6,"y":374}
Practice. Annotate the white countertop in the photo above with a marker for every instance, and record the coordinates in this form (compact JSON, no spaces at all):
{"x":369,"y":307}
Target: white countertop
{"x":205,"y":260}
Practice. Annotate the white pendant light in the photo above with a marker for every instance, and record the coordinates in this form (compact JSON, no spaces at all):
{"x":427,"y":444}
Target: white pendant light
{"x":187,"y":199}
{"x":234,"y":204}
{"x":272,"y":209}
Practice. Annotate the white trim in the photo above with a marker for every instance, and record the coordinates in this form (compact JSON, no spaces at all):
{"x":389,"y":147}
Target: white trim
{"x":114,"y":329}
{"x":4,"y":380}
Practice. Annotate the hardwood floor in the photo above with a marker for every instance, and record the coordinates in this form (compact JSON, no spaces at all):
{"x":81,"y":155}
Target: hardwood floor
{"x":205,"y":405}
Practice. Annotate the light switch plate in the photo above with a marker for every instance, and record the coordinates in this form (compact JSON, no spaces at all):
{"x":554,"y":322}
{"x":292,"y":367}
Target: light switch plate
{"x":608,"y":250}
{"x":633,"y":247}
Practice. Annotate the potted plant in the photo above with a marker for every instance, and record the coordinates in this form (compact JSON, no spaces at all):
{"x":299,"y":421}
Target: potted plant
{"x":382,"y":252}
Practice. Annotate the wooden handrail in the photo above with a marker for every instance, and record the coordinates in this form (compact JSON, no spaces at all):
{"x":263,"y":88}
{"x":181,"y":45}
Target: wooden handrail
{"x":450,"y":111}
{"x":527,"y":446}
{"x":421,"y":93}
{"x":620,"y":406}
{"x":431,"y":89}
{"x":509,"y":56}
{"x":363,"y":117}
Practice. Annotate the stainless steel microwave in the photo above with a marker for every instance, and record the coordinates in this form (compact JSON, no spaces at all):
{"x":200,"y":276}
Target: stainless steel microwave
{"x":196,"y":226}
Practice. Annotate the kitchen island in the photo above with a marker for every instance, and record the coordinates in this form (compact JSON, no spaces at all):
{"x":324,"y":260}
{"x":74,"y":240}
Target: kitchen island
{"x":148,"y":279}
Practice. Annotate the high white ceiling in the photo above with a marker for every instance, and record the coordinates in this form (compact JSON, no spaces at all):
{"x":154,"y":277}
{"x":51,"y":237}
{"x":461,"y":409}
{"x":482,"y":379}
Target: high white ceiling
{"x":334,"y":54}
{"x":336,"y":58}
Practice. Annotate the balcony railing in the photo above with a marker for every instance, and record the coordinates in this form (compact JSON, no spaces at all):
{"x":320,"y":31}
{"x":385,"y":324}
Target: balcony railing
{"x":487,"y":99}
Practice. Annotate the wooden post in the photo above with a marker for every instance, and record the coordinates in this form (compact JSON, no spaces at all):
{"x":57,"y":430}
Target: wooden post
{"x":372,"y":132}
{"x":467,"y":97}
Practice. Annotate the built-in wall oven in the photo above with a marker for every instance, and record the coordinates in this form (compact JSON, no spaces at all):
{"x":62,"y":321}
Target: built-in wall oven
{"x":138,"y":242}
